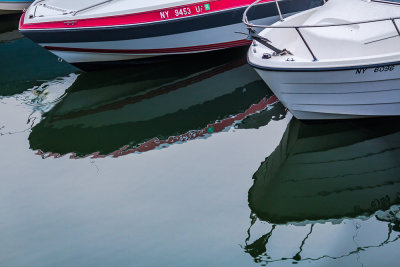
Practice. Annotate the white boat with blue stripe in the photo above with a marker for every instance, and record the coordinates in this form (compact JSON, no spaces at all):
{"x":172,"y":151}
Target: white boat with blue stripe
{"x":337,"y":61}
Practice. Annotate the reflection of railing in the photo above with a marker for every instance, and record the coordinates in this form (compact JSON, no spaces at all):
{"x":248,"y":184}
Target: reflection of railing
{"x":255,"y":36}
{"x":258,"y":249}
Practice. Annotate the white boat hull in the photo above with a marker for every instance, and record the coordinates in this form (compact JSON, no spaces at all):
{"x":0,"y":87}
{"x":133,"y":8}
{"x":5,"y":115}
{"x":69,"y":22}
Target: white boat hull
{"x":13,"y":7}
{"x":362,"y":92}
{"x":333,"y":63}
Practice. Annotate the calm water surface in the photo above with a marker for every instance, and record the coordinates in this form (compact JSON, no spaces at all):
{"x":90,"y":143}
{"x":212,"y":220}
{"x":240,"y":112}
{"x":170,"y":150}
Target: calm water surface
{"x":187,"y":163}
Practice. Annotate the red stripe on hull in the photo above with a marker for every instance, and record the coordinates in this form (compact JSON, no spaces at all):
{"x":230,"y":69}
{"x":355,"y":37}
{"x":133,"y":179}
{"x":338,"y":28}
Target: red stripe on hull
{"x":143,"y":17}
{"x":154,"y":51}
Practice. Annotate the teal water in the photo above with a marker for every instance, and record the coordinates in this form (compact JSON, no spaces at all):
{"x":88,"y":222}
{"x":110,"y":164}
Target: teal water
{"x":185,"y":163}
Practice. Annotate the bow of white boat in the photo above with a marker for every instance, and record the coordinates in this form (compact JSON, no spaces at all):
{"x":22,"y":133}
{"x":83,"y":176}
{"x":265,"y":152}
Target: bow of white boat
{"x":333,"y":63}
{"x":332,"y":47}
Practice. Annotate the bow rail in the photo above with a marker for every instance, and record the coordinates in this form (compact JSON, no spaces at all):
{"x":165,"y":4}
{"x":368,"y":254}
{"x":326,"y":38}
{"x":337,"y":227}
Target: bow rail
{"x":264,"y":41}
{"x":42,"y":3}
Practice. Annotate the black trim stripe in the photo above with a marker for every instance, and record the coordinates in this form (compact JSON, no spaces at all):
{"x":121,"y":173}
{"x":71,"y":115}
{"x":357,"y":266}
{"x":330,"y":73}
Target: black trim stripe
{"x":396,"y":63}
{"x":163,"y":28}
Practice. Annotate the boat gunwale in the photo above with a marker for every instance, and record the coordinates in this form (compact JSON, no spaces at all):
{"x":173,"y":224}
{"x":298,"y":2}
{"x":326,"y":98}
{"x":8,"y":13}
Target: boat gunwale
{"x":119,"y":25}
{"x":58,"y":19}
{"x":250,"y":25}
{"x":321,"y":69}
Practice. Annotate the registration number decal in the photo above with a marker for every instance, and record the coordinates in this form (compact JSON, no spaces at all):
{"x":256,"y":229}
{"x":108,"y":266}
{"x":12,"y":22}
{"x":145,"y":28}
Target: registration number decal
{"x":376,"y":69}
{"x":185,"y":11}
{"x":384,"y":68}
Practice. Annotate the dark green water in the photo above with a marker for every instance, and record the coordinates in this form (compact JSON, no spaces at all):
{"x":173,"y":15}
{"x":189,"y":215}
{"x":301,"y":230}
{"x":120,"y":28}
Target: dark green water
{"x":186,"y":163}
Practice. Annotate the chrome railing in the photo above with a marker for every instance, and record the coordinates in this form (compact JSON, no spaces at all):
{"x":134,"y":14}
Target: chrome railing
{"x":277,"y":7}
{"x":64,"y":11}
{"x":253,"y":35}
{"x":91,"y":6}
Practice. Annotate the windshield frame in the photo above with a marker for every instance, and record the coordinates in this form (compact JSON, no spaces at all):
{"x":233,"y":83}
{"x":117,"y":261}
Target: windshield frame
{"x":391,"y":2}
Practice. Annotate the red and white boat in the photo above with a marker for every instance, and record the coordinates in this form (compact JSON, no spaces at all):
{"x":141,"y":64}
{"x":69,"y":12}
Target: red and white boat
{"x":94,"y":31}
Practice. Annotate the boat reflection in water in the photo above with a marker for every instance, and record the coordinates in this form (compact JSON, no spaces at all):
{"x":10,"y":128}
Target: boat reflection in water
{"x":114,"y":113}
{"x":8,"y":28}
{"x":327,"y":185}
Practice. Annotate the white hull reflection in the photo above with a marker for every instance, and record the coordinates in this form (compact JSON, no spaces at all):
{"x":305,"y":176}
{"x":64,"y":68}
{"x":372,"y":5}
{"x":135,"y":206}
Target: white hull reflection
{"x":327,"y":185}
{"x":329,"y":171}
